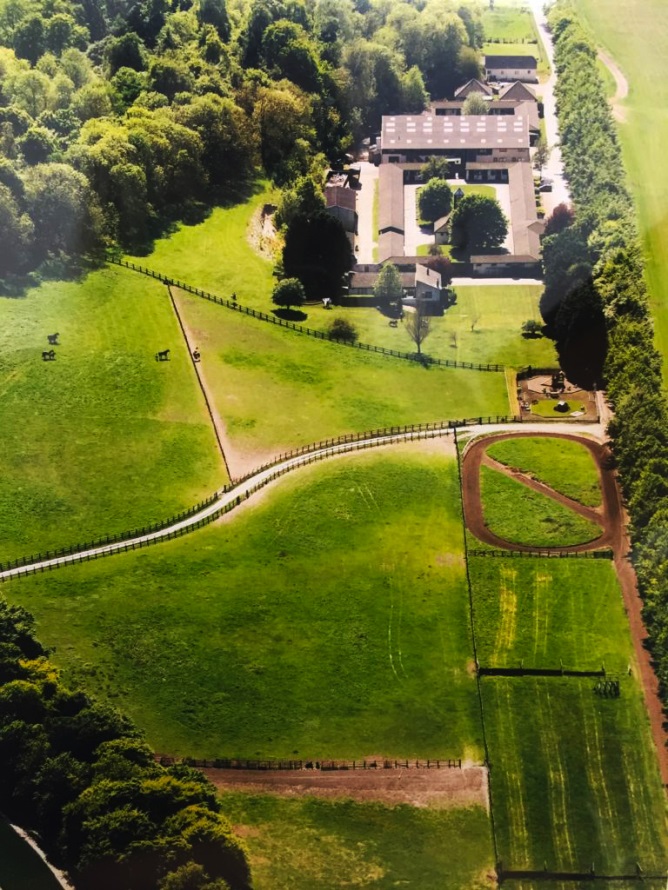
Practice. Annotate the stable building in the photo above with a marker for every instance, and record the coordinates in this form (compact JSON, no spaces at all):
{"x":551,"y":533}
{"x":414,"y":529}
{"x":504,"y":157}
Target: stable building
{"x":511,"y":68}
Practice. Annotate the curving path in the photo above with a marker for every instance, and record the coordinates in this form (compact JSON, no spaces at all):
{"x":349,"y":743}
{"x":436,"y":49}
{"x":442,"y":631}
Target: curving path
{"x":621,"y":87}
{"x":614,"y":535}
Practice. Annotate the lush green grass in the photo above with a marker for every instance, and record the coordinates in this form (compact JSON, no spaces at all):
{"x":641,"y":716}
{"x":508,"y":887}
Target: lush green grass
{"x":635,"y":33}
{"x":276,"y":389}
{"x":20,"y":867}
{"x":484,"y":325}
{"x":312,"y":844}
{"x":516,"y":513}
{"x":104,"y":438}
{"x":574,"y":777}
{"x":216,"y":254}
{"x":549,"y":612}
{"x":565,"y":466}
{"x":548,"y":407}
{"x":608,"y":80}
{"x":330,"y":620}
{"x":506,"y":23}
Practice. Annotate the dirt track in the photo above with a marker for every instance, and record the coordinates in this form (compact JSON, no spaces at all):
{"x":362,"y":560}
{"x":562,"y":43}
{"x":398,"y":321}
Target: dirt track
{"x":614,"y":536}
{"x":436,"y":788}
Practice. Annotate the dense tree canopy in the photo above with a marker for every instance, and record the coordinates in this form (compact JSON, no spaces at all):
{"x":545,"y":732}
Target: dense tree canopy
{"x":478,"y":223}
{"x":434,"y":200}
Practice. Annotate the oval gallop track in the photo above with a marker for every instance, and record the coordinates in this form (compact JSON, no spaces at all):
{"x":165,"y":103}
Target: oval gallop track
{"x":609,"y":516}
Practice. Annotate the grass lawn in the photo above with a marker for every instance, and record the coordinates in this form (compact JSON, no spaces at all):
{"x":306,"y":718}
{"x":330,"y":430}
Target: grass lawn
{"x":574,"y":777}
{"x":484,"y":325}
{"x":563,"y":465}
{"x":506,"y":23}
{"x":485,"y":191}
{"x":104,"y":438}
{"x":548,"y":407}
{"x":216,"y":255}
{"x":607,"y":78}
{"x":330,"y":620}
{"x":623,"y":28}
{"x":276,"y":389}
{"x":312,"y":844}
{"x":545,"y":612}
{"x":20,"y":867}
{"x":516,"y":513}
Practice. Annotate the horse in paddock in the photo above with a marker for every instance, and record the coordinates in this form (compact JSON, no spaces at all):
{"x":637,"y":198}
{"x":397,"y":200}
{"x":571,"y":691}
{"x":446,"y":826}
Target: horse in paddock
{"x":162,"y":356}
{"x":53,"y":339}
{"x":49,"y":356}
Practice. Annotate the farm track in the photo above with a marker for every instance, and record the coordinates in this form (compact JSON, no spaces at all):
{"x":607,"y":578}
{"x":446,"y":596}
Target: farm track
{"x":611,"y":518}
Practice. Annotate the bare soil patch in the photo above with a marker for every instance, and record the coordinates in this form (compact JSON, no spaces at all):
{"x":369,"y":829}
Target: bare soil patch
{"x":435,"y":788}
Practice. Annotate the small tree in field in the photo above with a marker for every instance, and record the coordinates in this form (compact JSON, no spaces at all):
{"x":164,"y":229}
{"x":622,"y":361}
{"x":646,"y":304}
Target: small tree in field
{"x":475,"y":104}
{"x":342,"y":329}
{"x":418,"y":325}
{"x":289,"y":292}
{"x":478,"y":222}
{"x":434,"y":200}
{"x":388,"y":287}
{"x":531,"y":328}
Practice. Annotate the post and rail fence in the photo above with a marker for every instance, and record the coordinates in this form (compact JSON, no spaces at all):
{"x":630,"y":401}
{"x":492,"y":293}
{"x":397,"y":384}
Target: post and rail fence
{"x":319,"y":765}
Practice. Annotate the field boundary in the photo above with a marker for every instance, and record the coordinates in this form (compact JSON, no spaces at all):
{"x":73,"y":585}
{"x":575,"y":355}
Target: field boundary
{"x":604,"y":553}
{"x":231,"y":763}
{"x":302,"y":329}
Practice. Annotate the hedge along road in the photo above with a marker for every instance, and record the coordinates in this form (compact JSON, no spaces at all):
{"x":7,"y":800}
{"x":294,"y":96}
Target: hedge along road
{"x":614,"y":536}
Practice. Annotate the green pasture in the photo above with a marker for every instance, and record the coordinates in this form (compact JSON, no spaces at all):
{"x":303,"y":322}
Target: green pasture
{"x":20,"y":867}
{"x":276,"y":389}
{"x":328,"y":620}
{"x":483,"y":325}
{"x":564,"y":465}
{"x":635,"y":34}
{"x":517,"y":513}
{"x":310,"y":844}
{"x":608,"y":80}
{"x":104,"y":438}
{"x":508,"y":24}
{"x":545,"y":613}
{"x":216,"y":255}
{"x":574,"y":777}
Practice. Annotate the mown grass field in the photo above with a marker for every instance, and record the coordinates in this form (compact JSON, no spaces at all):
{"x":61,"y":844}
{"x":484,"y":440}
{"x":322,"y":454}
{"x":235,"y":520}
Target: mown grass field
{"x":546,"y":613}
{"x":104,"y":438}
{"x":516,"y":513}
{"x":635,"y":34}
{"x":508,"y":24}
{"x":311,"y":844}
{"x":216,"y":255}
{"x":328,"y":620}
{"x":484,"y":325}
{"x":565,"y":466}
{"x":574,"y":777}
{"x":276,"y":389}
{"x":20,"y":867}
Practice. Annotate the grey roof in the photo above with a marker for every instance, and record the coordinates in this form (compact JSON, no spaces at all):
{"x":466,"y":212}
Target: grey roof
{"x":526,"y":240}
{"x":339,"y":196}
{"x":390,"y":198}
{"x":473,"y":86}
{"x":518,"y":90}
{"x":430,"y":132}
{"x":510,"y":62}
{"x":390,"y":244}
{"x":428,"y":276}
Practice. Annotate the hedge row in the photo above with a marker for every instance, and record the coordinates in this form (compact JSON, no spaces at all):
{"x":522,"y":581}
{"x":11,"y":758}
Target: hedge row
{"x":605,"y":241}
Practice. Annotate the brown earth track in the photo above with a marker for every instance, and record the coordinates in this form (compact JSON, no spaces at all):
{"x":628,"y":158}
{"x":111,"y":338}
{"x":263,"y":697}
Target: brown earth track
{"x":613,"y":520}
{"x":436,"y":788}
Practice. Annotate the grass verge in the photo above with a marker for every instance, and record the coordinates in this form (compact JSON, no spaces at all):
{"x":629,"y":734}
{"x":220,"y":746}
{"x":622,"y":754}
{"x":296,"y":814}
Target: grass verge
{"x":516,"y":513}
{"x":328,"y":620}
{"x":564,"y":465}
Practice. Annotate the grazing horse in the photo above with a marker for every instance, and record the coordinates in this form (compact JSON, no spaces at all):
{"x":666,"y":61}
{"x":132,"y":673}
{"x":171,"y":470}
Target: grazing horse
{"x":162,"y":356}
{"x":53,"y":339}
{"x":196,"y":355}
{"x":49,"y":356}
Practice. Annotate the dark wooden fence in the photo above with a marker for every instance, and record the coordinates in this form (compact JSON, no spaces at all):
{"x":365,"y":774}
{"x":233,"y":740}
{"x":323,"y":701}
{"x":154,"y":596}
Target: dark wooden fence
{"x":540,"y":554}
{"x":536,"y":672}
{"x":320,"y":765}
{"x":302,"y":329}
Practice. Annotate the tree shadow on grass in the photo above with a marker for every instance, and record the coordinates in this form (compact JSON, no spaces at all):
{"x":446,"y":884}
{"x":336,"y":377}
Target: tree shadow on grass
{"x":290,"y":314}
